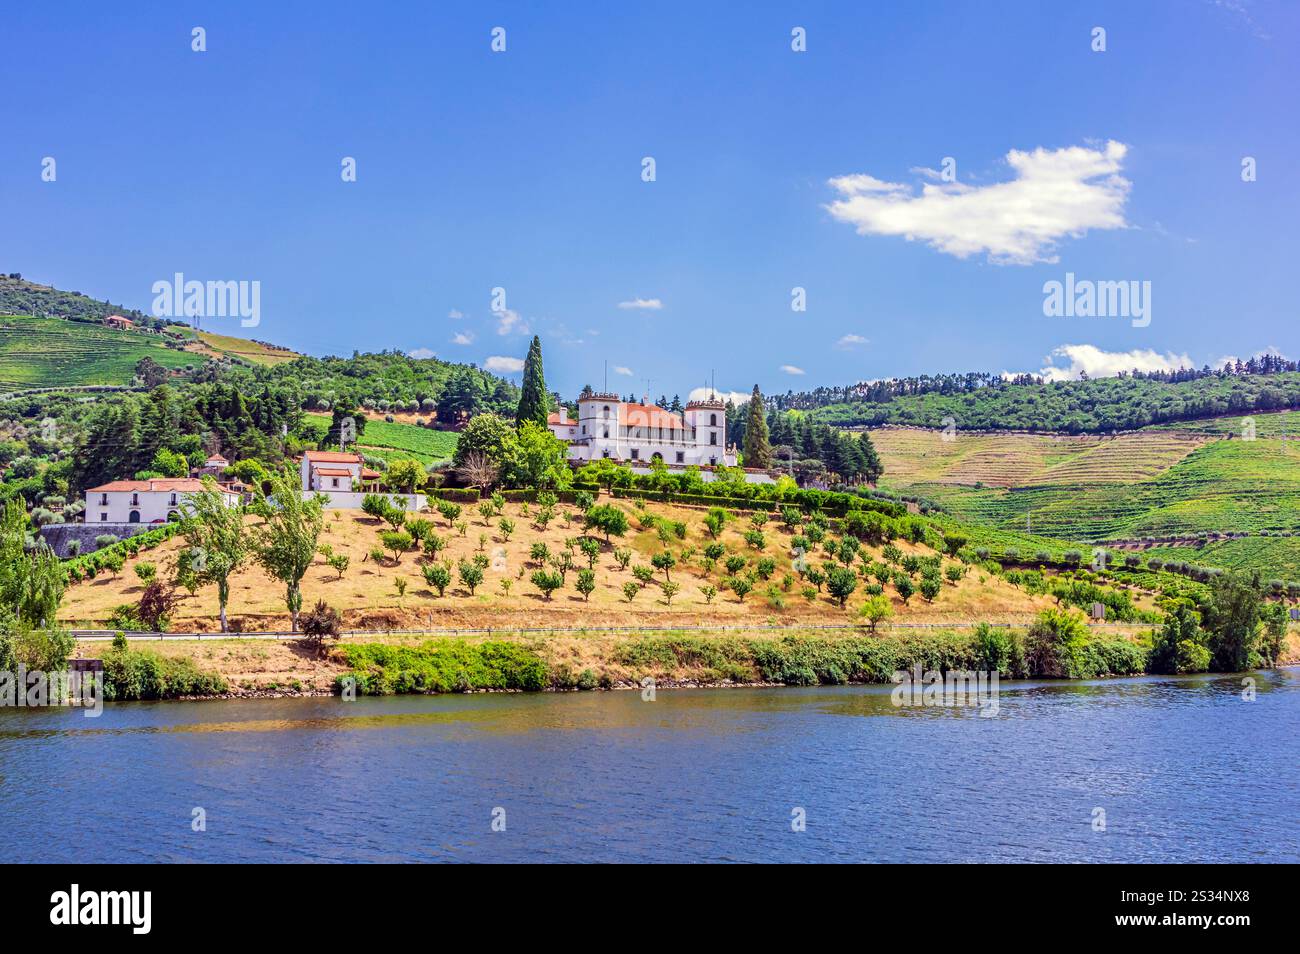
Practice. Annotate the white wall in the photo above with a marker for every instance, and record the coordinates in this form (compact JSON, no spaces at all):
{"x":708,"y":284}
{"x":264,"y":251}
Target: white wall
{"x":153,"y":505}
{"x":351,"y":500}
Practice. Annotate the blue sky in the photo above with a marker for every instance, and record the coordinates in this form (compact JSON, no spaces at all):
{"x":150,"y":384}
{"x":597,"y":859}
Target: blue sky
{"x":523,"y":170}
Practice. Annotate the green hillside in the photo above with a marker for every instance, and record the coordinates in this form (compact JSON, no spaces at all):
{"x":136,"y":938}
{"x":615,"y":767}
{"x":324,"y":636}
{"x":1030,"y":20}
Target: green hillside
{"x":1072,"y":407}
{"x":53,"y":352}
{"x":18,"y":296}
{"x":389,"y":441}
{"x":1161,"y":487}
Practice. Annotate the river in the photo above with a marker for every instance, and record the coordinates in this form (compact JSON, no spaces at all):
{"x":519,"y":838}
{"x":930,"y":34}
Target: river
{"x":1170,"y":769}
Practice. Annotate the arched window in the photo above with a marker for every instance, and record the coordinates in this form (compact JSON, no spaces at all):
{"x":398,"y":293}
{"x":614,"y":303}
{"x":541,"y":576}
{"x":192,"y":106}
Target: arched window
{"x":713,"y":420}
{"x":606,"y":410}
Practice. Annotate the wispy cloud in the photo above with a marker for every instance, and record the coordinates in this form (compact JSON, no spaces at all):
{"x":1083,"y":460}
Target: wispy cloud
{"x":851,"y":341}
{"x":1106,"y":364}
{"x":1241,"y":9}
{"x":1056,"y":193}
{"x":619,"y":369}
{"x":704,"y":394}
{"x":791,"y":369}
{"x":510,"y":321}
{"x":504,"y":365}
{"x":651,"y":304}
{"x":463,"y":338}
{"x":421,"y":354}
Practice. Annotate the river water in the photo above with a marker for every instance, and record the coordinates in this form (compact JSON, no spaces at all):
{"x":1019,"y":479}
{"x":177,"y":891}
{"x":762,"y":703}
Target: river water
{"x":1149,"y":769}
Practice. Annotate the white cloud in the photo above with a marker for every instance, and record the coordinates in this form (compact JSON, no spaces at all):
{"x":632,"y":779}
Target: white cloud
{"x":619,"y":369}
{"x":455,"y":313}
{"x":421,"y":353}
{"x":1056,"y":193}
{"x":851,"y":341}
{"x":504,"y":365}
{"x":791,"y":369}
{"x":510,"y":321}
{"x":463,"y":338}
{"x":1107,"y":364}
{"x":704,"y":394}
{"x":651,"y":304}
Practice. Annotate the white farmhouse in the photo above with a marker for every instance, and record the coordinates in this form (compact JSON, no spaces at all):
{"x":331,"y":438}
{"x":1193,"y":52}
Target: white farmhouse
{"x":145,"y":501}
{"x":608,"y":426}
{"x":335,"y":471}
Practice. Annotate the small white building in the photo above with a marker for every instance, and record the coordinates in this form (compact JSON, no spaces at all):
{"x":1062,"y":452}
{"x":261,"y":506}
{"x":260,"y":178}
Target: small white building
{"x":608,"y":426}
{"x":336,"y":471}
{"x":145,"y":501}
{"x":214,"y":466}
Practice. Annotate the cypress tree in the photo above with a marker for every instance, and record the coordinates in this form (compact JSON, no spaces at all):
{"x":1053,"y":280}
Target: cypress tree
{"x":533,"y":402}
{"x":758,"y":449}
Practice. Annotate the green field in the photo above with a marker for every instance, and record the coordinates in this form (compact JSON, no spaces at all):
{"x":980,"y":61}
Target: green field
{"x":52,"y":352}
{"x":391,"y":441}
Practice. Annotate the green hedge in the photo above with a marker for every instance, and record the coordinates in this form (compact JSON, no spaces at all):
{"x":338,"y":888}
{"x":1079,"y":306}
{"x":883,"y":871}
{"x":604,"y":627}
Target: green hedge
{"x":442,"y":665}
{"x":140,"y":674}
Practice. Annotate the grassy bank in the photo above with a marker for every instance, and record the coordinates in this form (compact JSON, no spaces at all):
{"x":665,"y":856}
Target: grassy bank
{"x":803,"y":659}
{"x":589,"y":660}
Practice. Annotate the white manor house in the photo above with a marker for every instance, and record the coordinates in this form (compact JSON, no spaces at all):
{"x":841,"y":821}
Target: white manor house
{"x":608,"y":426}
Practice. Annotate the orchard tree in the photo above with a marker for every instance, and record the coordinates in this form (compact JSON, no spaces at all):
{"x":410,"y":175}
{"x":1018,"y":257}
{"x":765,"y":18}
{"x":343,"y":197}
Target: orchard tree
{"x":218,"y":540}
{"x":285,"y":542}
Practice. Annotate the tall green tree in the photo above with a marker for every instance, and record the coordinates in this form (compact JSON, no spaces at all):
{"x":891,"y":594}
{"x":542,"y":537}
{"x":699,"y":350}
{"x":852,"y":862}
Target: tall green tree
{"x":286,"y":541}
{"x":533,"y":402}
{"x":218,"y":542}
{"x":758,"y":449}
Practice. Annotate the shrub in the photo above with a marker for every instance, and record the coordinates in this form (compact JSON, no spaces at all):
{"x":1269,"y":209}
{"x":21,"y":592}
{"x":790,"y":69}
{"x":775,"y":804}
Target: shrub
{"x":438,"y":576}
{"x":319,"y":623}
{"x":443,"y":666}
{"x":549,"y":582}
{"x":140,"y":674}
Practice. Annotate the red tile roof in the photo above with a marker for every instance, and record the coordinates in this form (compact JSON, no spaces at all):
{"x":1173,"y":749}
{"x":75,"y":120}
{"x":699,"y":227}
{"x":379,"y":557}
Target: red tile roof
{"x":157,"y":485}
{"x":331,"y":457}
{"x":333,"y":471}
{"x":648,"y":415}
{"x":368,"y":474}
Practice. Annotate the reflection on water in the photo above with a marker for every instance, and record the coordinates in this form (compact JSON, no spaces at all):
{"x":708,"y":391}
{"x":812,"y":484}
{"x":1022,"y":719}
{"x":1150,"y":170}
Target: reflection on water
{"x":1183,"y":768}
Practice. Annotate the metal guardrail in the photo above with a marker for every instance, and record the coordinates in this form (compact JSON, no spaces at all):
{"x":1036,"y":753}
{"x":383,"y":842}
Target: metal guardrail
{"x":104,"y":635}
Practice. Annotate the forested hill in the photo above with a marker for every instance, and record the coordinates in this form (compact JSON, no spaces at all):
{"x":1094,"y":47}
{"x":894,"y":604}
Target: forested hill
{"x":1072,"y":407}
{"x":21,"y":297}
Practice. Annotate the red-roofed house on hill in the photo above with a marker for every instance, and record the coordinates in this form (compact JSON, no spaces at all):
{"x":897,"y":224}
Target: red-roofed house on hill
{"x":145,"y":501}
{"x":336,"y":471}
{"x":610,"y":427}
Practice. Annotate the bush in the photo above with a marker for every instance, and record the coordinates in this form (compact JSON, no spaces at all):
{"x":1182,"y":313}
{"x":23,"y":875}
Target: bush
{"x":319,"y":623}
{"x":443,"y":666}
{"x":140,"y":674}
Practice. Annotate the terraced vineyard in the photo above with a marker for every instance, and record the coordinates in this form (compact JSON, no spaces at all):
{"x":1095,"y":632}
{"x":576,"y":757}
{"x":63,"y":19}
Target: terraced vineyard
{"x":389,"y":441}
{"x":914,"y":455}
{"x":254,"y":352}
{"x":52,"y":352}
{"x":1153,"y":483}
{"x":1277,"y":557}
